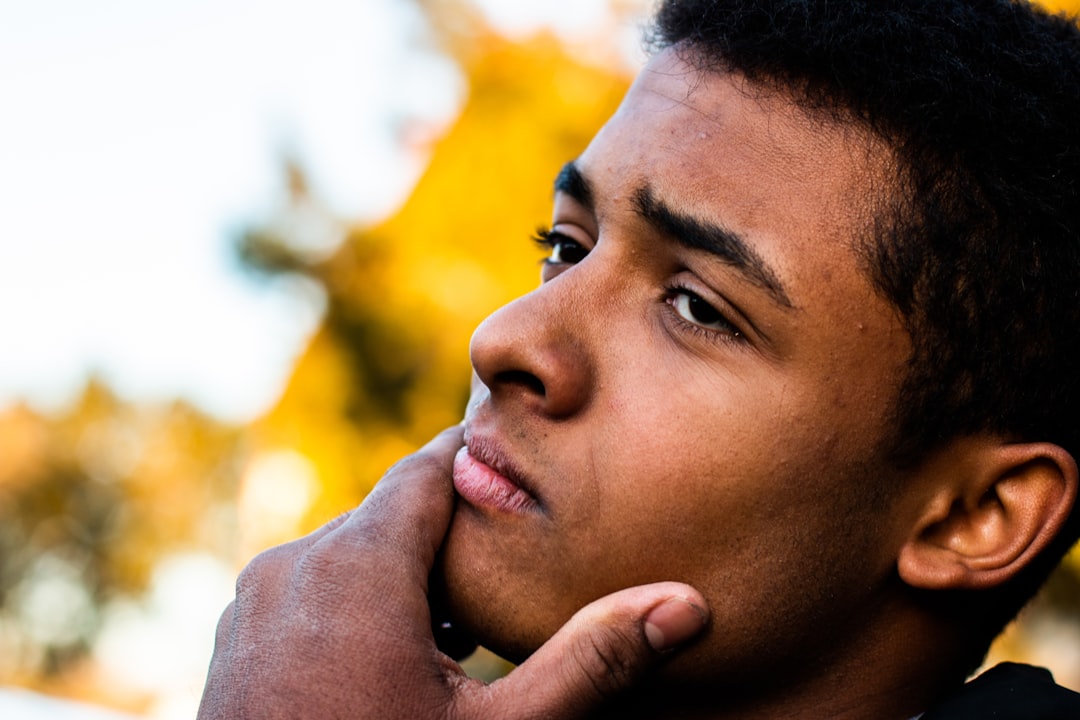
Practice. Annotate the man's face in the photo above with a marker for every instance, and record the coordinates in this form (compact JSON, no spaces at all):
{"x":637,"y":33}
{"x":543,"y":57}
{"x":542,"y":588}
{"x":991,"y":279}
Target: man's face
{"x":698,"y":389}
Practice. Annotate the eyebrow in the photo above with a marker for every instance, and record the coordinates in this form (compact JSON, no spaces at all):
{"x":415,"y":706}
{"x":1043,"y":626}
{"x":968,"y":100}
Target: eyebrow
{"x":697,"y":234}
{"x":571,"y":182}
{"x":690,"y":232}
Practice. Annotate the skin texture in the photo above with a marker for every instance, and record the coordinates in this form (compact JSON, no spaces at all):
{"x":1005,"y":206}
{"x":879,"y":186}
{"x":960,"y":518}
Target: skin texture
{"x":337,"y":625}
{"x":734,"y":450}
{"x":695,"y":397}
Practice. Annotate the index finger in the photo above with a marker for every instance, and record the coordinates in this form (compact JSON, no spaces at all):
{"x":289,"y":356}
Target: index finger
{"x":409,"y":510}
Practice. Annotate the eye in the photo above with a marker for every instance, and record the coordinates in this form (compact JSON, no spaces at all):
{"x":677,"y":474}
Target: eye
{"x":562,"y":248}
{"x":693,"y":309}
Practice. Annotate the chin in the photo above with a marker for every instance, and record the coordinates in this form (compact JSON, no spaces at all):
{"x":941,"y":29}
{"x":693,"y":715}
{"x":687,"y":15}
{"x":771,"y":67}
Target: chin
{"x":496,"y":608}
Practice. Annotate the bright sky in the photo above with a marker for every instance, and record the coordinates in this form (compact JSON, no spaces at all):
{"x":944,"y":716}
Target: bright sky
{"x":137,"y":137}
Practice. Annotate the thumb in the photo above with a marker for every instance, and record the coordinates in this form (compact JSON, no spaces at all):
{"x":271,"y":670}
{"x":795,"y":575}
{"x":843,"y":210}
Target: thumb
{"x":605,"y":648}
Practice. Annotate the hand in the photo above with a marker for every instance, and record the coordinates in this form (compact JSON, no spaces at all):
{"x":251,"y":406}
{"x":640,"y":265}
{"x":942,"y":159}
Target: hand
{"x":337,"y":624}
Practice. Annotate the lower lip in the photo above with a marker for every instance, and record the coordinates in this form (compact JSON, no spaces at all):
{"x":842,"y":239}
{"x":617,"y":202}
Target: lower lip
{"x":480,"y":485}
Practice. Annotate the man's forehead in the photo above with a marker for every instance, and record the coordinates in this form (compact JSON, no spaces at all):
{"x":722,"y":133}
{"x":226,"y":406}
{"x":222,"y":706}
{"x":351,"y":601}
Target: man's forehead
{"x":722,"y":165}
{"x":790,"y":126}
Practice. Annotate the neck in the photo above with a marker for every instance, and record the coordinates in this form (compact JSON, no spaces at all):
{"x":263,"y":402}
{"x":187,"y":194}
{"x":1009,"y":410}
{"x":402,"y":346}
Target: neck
{"x":893,"y":674}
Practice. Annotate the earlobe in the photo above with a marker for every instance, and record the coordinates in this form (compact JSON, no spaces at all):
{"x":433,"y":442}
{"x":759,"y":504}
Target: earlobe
{"x":991,"y":507}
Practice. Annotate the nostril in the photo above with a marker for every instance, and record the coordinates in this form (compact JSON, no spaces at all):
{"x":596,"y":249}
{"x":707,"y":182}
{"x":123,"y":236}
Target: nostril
{"x":522,"y":379}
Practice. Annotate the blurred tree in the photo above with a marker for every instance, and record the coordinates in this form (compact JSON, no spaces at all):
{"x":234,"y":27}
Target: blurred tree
{"x":389,"y":367}
{"x":90,"y":500}
{"x":92,"y":497}
{"x":1070,"y":7}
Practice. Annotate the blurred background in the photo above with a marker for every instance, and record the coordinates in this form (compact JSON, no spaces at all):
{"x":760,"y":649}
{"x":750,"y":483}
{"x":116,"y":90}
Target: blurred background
{"x":242,"y":248}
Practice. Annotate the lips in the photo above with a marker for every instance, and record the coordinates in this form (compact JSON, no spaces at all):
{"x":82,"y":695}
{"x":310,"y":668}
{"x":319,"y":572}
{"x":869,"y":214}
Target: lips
{"x":485,"y":479}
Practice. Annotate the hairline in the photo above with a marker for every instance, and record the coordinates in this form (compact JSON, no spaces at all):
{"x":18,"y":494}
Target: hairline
{"x":878,"y":225}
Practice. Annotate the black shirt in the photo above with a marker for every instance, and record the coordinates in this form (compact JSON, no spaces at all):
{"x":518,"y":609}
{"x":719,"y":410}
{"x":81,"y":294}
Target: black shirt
{"x":1010,"y":691}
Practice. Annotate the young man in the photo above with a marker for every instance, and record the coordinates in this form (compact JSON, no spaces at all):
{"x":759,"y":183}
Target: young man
{"x":804,"y":344}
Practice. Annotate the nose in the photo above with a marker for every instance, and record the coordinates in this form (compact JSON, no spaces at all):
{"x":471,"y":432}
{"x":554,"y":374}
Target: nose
{"x":539,"y":351}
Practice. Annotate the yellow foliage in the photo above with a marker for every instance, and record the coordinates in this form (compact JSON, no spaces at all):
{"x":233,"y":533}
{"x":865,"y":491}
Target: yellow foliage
{"x":1071,"y":7}
{"x":405,"y":296}
{"x":91,"y":499}
{"x":25,"y":443}
{"x":1073,"y":560}
{"x":108,"y":487}
{"x":389,"y":366}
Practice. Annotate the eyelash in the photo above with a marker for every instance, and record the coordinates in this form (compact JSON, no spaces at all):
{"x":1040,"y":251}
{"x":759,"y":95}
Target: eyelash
{"x":729,"y":333}
{"x":551,"y":240}
{"x":543,"y":237}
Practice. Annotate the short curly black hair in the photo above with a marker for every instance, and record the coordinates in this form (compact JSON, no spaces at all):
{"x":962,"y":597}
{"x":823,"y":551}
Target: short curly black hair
{"x":980,"y":254}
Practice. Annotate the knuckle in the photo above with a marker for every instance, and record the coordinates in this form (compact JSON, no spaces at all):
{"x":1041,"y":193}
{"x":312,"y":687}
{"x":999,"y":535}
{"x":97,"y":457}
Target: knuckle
{"x":224,"y":628}
{"x":607,"y":659}
{"x":266,"y":564}
{"x":318,"y":569}
{"x":338,"y":521}
{"x":250,"y":580}
{"x":330,"y":587}
{"x":263,"y":574}
{"x":315,"y":562}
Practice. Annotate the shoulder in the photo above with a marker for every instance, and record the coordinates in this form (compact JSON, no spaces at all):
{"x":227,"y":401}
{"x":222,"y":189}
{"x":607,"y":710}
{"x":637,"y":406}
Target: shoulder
{"x":1010,"y":691}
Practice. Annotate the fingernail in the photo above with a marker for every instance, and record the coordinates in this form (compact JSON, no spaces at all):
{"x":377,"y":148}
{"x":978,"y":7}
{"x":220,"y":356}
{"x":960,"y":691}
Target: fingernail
{"x":672,"y":623}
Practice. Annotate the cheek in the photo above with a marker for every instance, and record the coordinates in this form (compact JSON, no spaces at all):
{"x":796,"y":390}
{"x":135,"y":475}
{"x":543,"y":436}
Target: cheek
{"x":720,"y":498}
{"x":673,"y":505}
{"x":744,"y":499}
{"x":783,"y":569}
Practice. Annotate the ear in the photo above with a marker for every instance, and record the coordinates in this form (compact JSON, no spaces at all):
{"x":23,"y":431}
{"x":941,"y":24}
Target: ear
{"x":989,"y":508}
